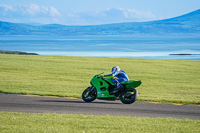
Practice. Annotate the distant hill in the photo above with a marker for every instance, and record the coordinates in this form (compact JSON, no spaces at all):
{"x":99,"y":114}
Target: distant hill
{"x":188,"y":23}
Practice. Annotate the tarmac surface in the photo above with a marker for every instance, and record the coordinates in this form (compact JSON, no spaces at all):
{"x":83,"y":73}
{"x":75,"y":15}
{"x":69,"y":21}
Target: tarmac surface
{"x":39,"y":104}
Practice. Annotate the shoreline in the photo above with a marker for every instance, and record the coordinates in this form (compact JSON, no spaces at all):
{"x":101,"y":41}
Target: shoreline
{"x":16,"y":52}
{"x":184,"y":54}
{"x":134,"y":55}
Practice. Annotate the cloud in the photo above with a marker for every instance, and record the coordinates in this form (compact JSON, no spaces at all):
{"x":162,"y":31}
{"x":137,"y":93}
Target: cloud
{"x":135,"y":14}
{"x":28,"y":13}
{"x":29,"y":10}
{"x":33,"y":13}
{"x":113,"y":15}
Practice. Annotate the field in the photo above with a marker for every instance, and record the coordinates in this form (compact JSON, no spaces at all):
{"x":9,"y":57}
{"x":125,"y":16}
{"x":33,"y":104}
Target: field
{"x":172,"y":81}
{"x":68,"y":123}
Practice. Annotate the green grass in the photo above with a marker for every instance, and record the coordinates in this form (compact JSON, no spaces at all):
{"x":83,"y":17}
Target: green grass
{"x":172,"y":81}
{"x":68,"y":123}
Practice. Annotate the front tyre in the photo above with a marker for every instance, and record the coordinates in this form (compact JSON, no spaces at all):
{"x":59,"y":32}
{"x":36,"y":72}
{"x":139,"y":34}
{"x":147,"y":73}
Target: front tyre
{"x":89,"y":94}
{"x":129,"y":96}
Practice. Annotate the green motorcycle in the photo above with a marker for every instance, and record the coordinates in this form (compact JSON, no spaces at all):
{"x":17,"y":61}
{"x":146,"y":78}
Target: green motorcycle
{"x":103,"y":88}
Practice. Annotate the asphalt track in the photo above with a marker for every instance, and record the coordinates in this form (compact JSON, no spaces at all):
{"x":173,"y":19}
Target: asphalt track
{"x":35,"y":104}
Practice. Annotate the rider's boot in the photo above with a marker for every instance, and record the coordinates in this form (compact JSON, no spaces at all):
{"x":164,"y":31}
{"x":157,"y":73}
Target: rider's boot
{"x":116,"y":90}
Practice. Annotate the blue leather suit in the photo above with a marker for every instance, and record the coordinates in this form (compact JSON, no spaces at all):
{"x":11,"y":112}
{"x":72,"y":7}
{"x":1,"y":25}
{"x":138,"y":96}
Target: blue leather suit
{"x":121,"y":76}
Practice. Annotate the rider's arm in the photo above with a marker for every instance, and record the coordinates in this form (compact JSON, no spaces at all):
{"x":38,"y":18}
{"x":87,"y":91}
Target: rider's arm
{"x":108,"y":75}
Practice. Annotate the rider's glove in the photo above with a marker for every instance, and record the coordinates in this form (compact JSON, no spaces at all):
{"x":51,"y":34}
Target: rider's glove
{"x":102,"y":76}
{"x":114,"y":78}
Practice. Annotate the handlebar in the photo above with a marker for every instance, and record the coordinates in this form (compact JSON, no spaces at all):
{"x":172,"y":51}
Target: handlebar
{"x":99,"y":75}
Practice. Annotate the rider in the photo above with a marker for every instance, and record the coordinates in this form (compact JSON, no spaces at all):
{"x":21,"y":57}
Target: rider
{"x":121,"y":76}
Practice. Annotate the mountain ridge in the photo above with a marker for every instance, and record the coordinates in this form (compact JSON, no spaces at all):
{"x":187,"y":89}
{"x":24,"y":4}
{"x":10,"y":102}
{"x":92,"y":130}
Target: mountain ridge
{"x":188,"y":23}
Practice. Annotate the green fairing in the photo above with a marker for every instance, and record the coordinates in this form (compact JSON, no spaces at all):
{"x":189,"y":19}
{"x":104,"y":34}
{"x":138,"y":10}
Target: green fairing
{"x":100,"y":83}
{"x":131,"y":84}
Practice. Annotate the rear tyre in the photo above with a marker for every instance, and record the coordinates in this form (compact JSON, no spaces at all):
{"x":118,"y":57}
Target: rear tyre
{"x":129,"y":96}
{"x":89,"y":94}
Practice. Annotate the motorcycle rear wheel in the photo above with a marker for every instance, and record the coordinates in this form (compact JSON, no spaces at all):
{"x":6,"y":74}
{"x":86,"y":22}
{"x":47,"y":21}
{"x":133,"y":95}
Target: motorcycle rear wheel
{"x":89,"y":94}
{"x":129,"y":96}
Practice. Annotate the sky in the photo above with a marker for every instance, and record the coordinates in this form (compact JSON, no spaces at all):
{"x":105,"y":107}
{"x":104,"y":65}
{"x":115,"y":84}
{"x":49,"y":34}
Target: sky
{"x":92,"y":12}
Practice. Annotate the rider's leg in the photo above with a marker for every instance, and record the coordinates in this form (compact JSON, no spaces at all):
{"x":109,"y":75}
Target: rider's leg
{"x":117,"y":82}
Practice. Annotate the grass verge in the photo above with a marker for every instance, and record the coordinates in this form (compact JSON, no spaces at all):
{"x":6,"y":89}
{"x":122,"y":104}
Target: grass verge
{"x":175,"y":81}
{"x":68,"y":123}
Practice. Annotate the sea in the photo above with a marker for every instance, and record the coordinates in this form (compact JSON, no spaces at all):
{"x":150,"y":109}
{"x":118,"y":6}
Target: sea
{"x":171,"y":47}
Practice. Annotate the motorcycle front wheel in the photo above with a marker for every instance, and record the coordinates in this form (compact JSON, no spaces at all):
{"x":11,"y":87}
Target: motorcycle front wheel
{"x":89,"y":94}
{"x":129,"y":96}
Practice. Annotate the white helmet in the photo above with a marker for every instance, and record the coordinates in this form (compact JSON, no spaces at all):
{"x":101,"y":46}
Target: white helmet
{"x":115,"y":70}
